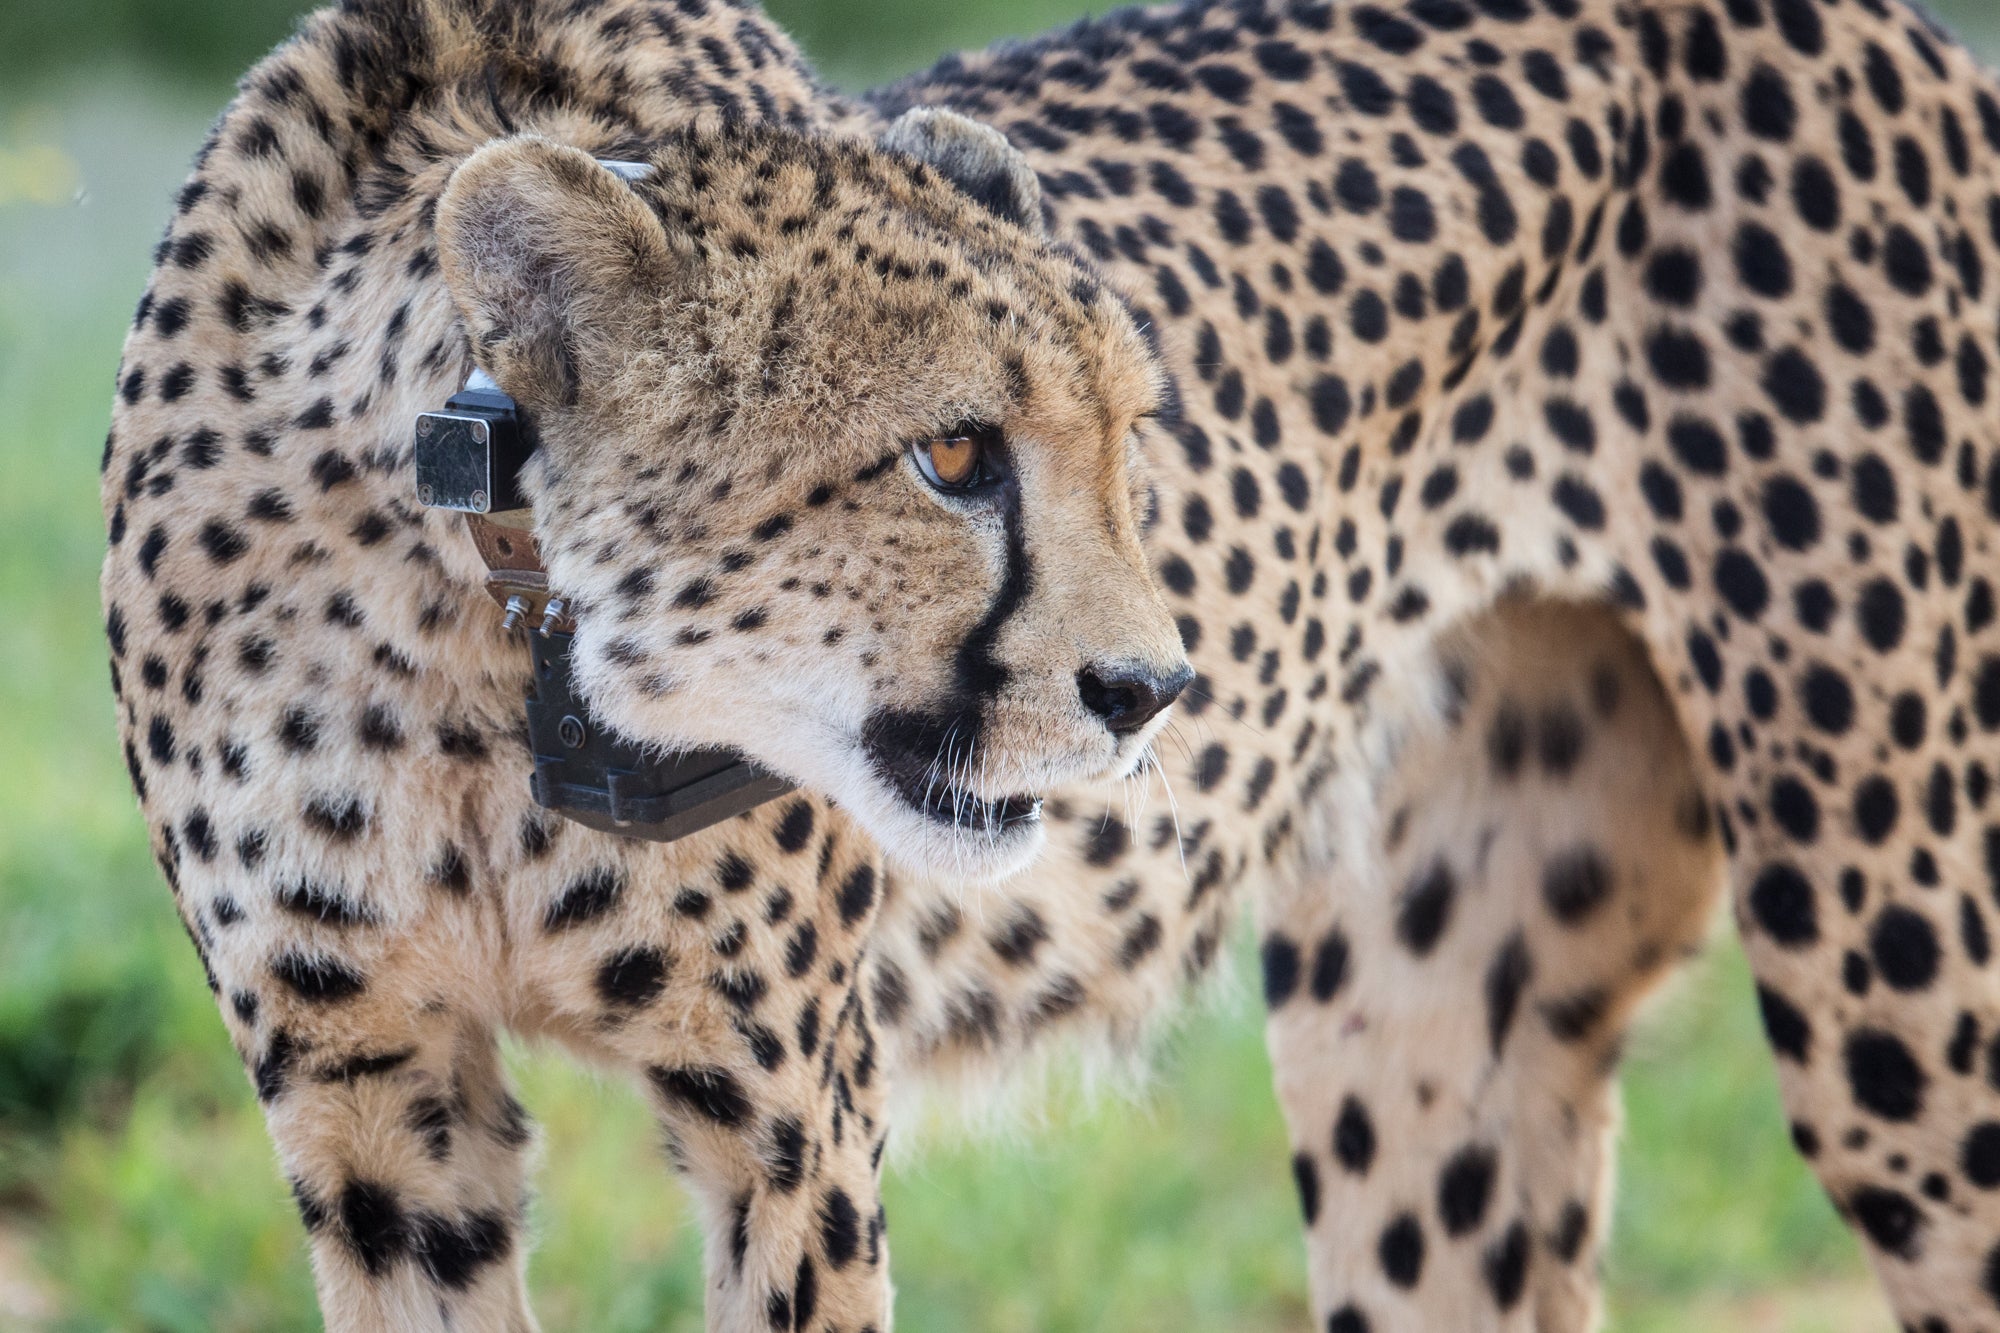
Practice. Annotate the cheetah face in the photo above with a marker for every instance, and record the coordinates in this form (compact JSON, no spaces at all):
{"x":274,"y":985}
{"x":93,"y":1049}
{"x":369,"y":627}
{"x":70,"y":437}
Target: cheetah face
{"x":842,"y":464}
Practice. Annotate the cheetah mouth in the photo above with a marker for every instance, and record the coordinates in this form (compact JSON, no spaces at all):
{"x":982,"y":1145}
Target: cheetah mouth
{"x":910,"y":753}
{"x":946,"y":804}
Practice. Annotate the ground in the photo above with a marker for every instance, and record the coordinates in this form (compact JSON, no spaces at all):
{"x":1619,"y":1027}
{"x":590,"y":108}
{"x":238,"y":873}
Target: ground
{"x":135,"y":1182}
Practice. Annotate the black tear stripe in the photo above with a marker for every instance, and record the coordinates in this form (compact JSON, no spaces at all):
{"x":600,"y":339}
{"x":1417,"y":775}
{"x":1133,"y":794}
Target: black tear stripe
{"x":978,"y":674}
{"x":904,"y":744}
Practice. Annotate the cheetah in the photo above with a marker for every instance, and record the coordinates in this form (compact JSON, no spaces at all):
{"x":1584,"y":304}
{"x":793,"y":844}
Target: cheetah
{"x":1461,"y":480}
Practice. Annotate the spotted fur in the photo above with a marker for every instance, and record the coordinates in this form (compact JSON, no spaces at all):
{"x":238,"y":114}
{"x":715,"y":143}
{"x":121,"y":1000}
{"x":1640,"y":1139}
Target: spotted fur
{"x":1558,"y":432}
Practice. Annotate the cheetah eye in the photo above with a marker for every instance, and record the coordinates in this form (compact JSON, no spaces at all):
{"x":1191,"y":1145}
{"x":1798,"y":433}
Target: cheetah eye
{"x":962,"y":460}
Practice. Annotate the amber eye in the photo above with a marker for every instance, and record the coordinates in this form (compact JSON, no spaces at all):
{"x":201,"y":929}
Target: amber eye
{"x":955,"y":462}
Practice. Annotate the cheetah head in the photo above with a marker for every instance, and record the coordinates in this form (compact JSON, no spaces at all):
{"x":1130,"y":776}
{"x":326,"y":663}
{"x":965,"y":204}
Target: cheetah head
{"x":841,"y":463}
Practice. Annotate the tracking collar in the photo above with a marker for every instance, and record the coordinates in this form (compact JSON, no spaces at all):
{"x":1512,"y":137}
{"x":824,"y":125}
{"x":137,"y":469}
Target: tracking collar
{"x":469,"y":457}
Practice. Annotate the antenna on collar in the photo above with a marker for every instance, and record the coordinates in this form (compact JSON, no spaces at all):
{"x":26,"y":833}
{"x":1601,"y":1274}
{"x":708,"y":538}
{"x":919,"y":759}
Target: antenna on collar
{"x":468,"y":458}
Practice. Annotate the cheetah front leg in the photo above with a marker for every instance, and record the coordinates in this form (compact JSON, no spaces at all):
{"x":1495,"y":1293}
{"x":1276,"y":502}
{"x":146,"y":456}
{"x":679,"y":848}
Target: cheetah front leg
{"x":406,"y":1155}
{"x":1446,"y":1027}
{"x":785,"y":1165}
{"x":726,"y":983}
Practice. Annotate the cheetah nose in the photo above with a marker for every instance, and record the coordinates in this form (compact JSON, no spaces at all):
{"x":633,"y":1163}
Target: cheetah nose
{"x":1128,"y":697}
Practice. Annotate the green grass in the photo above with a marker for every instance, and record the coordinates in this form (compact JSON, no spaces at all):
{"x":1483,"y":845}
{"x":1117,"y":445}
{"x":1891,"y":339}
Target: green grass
{"x":136,"y":1187}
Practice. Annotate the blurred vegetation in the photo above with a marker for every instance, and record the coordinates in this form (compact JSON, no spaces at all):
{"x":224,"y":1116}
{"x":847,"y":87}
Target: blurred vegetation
{"x":137,"y":1189}
{"x":211,"y":41}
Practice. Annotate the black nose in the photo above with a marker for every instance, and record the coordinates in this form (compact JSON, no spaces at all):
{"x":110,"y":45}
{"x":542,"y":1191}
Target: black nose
{"x":1128,"y":697}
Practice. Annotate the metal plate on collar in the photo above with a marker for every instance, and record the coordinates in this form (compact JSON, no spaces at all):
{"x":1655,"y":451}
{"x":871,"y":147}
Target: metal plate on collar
{"x":454,"y":462}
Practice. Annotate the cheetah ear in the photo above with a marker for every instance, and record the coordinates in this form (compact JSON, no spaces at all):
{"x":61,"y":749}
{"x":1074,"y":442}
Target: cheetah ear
{"x":976,"y":158}
{"x":555,"y":263}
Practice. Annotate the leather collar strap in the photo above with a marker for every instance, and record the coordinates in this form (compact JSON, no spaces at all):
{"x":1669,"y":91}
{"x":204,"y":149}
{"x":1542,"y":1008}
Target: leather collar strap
{"x":515,"y":576}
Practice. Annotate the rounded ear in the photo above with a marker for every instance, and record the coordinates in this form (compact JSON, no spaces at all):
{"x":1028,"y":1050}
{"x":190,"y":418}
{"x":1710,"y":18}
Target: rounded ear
{"x":976,"y":158}
{"x":553,"y":261}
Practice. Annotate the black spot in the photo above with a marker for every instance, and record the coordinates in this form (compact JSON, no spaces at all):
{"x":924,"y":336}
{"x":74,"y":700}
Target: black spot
{"x":1741,"y":582}
{"x":734,"y":874}
{"x":1799,"y":21}
{"x":1464,"y":1188}
{"x":857,"y":894}
{"x":1426,"y":908}
{"x":338,"y":819}
{"x":1280,"y":960}
{"x":1401,"y":1250}
{"x":1496,"y":103}
{"x":1883,"y":1076}
{"x":1880,"y":611}
{"x":1354,"y":1137}
{"x":316,"y":977}
{"x":1782,"y":902}
{"x":711,"y":1093}
{"x":1906,"y":262}
{"x":1329,"y":968}
{"x":1875,"y":489}
{"x":1673,"y":276}
{"x":449,"y":871}
{"x":224,"y":544}
{"x":1905,"y":949}
{"x":1986,"y":694}
{"x":1559,"y":738}
{"x":1507,"y":740}
{"x":1580,"y":502}
{"x":1923,"y":419}
{"x":1505,"y":1266}
{"x":1815,"y":194}
{"x":1679,"y":359}
{"x":1850,"y":319}
{"x":1795,"y":386}
{"x":1332,"y":404}
{"x":1365,"y":90}
{"x":1108,"y":840}
{"x":1015,"y":943}
{"x":453,"y":1252}
{"x":431,"y":1119}
{"x":788,"y":1155}
{"x":1698,"y":446}
{"x":1768,"y":109}
{"x":1507,"y":976}
{"x":839,"y":1228}
{"x":373,"y":1224}
{"x":585,"y":899}
{"x":1575,"y":884}
{"x":1572,"y":425}
{"x":1306,"y":1177}
{"x":308,"y":898}
{"x":1571,"y":1018}
{"x":1828,"y":699}
{"x":632,"y":977}
{"x":275,"y":1065}
{"x":1979,"y":1157}
{"x":1889,"y":1218}
{"x":1684,"y":177}
{"x":1572,"y":1229}
{"x":1788,"y":1030}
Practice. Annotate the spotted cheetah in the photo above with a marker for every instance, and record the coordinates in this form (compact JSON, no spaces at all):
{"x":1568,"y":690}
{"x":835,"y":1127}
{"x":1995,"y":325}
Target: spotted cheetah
{"x":1545,"y":446}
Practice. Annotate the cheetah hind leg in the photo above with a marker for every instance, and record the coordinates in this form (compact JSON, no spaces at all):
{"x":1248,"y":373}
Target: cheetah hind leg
{"x":1446,"y":1008}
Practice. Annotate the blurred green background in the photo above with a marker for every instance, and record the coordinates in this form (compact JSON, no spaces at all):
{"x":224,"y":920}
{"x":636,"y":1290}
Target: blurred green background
{"x":136,"y":1188}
